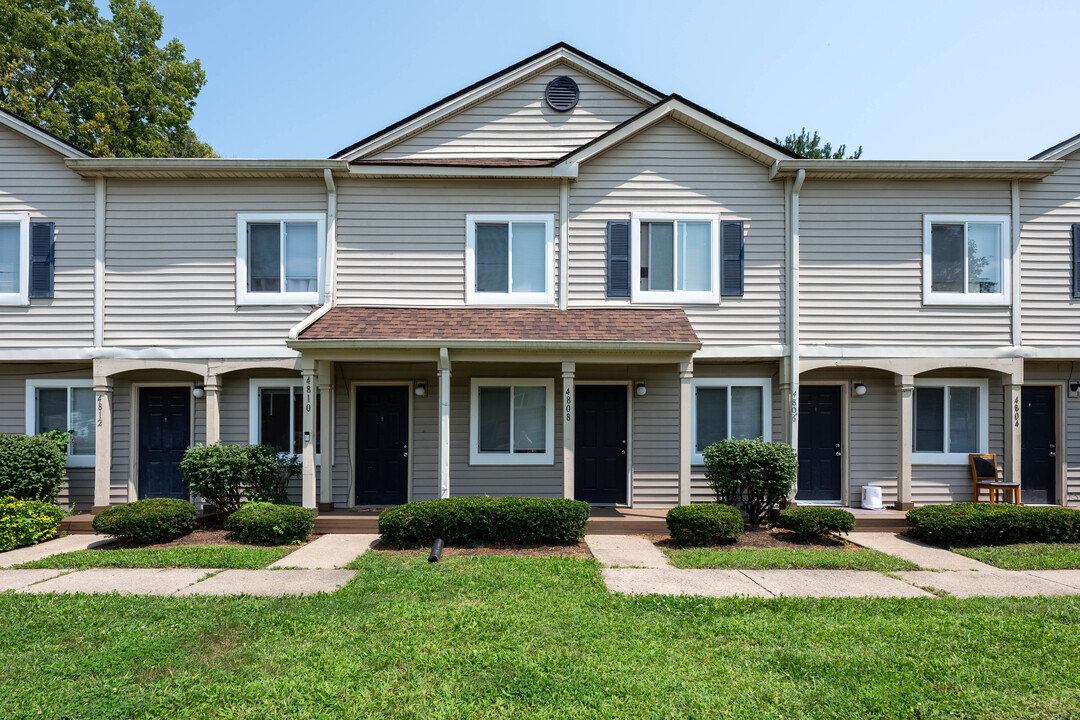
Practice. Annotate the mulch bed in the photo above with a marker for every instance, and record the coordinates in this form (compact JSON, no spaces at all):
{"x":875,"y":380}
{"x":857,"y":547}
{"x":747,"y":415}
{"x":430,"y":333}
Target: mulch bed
{"x":578,"y":550}
{"x":771,"y":538}
{"x":205,"y":536}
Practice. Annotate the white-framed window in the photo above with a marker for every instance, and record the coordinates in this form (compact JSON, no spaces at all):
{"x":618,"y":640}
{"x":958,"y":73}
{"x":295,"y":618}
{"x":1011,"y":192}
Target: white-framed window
{"x":729,"y":408}
{"x":280,"y":258}
{"x":675,"y":258}
{"x":512,"y":421}
{"x":276,"y":415}
{"x":510,"y":259}
{"x":950,"y":419}
{"x":64,"y":405}
{"x":966,"y":260}
{"x":14,"y":259}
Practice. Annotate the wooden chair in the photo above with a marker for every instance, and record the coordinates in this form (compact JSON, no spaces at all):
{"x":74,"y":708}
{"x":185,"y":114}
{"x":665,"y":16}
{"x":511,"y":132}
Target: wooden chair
{"x":984,"y":475}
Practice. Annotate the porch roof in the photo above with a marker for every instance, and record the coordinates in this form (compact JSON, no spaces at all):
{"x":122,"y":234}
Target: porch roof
{"x":464,"y":327}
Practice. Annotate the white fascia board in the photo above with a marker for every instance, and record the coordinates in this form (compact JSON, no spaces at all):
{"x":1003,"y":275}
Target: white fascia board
{"x":40,"y":136}
{"x":490,"y":88}
{"x":1062,"y":152}
{"x":204,"y":167}
{"x":919,"y":169}
{"x":393,"y":170}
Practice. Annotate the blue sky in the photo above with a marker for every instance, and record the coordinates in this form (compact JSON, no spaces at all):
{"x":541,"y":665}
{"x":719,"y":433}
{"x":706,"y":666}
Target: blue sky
{"x":910,"y":80}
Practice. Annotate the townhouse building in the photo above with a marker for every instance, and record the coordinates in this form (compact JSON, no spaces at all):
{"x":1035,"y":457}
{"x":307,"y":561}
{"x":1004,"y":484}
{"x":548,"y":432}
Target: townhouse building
{"x":558,"y":281}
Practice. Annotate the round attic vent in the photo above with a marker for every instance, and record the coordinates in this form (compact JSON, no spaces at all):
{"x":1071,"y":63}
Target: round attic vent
{"x":562,"y":93}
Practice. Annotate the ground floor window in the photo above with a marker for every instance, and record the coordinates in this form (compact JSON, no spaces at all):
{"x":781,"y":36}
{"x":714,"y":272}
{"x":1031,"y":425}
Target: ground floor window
{"x":729,"y":408}
{"x":277,"y":414}
{"x":64,"y":405}
{"x":950,"y":420}
{"x":512,"y":421}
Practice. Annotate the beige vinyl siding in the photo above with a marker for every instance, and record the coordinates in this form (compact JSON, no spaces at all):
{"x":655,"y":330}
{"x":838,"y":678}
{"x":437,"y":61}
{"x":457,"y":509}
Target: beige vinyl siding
{"x":671,"y":168}
{"x":517,"y":122}
{"x":78,"y":489}
{"x":861,"y":250}
{"x":1050,"y":314}
{"x":402,"y":242}
{"x":700,"y":489}
{"x":170,"y":276}
{"x":34,"y":179}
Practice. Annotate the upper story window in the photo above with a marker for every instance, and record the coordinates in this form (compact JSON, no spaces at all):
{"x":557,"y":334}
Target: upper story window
{"x":966,"y":260}
{"x":951,"y":420}
{"x":674,"y":258}
{"x":510,"y":259}
{"x":14,"y":259}
{"x":512,"y":421}
{"x":280,"y":259}
{"x":65,"y":405}
{"x":739,"y":408}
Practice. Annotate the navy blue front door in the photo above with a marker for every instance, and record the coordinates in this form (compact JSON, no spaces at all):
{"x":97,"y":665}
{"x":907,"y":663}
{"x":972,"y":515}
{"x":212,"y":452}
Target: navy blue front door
{"x":820,"y":430}
{"x":600,"y":444}
{"x":382,"y":444}
{"x":164,"y":435}
{"x":1038,"y":450}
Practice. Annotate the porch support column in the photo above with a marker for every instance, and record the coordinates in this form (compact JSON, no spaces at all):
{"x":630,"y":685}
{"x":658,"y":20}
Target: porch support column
{"x":212,"y":388}
{"x":567,"y":411}
{"x":444,"y":423}
{"x":103,"y":390}
{"x":1013,"y":383}
{"x":326,"y":469}
{"x":308,"y":380}
{"x":686,"y":374}
{"x":905,"y":389}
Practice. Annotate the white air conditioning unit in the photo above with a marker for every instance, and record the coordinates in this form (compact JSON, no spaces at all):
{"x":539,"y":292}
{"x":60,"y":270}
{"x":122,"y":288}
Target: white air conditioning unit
{"x":871,"y":497}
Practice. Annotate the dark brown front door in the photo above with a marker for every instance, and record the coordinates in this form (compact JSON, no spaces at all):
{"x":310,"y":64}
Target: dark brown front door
{"x":382,"y":444}
{"x":600,"y":444}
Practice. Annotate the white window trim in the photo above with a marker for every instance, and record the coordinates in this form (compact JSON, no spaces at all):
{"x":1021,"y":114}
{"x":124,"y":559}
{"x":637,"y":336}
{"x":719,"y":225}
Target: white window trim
{"x":697,"y":458}
{"x":31,"y":413}
{"x":246,"y":297}
{"x":950,"y":458}
{"x":21,"y":298}
{"x":674,"y":297}
{"x":473,"y":297}
{"x":1002,"y":298}
{"x":509,"y":458}
{"x":255,"y":385}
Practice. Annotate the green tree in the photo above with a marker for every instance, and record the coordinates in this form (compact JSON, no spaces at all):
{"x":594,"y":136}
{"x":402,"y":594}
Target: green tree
{"x":107,"y":85}
{"x":809,"y":146}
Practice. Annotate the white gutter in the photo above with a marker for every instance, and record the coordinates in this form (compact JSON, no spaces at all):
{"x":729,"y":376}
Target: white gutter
{"x":564,"y":242}
{"x":542,"y":172}
{"x":99,"y":262}
{"x":793,"y":315}
{"x":330,"y":284}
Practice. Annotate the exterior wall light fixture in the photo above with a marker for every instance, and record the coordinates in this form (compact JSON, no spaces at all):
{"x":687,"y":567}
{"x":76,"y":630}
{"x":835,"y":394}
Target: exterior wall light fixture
{"x":859,"y":390}
{"x":421,"y":389}
{"x":640,"y":390}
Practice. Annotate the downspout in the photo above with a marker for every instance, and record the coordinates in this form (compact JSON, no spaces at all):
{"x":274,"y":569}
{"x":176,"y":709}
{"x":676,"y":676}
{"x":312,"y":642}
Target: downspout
{"x":1014,"y":291}
{"x":99,"y":262}
{"x":564,"y":242}
{"x":793,"y":318}
{"x":330,"y":281}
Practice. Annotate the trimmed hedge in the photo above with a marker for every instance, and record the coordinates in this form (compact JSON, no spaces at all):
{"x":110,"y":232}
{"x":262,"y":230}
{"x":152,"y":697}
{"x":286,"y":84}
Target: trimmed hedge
{"x":227,"y":475}
{"x":147,"y":520}
{"x":27,"y":522}
{"x":986,"y":524}
{"x":817,"y":520}
{"x":751,"y":475}
{"x":263,"y":522}
{"x":704,"y":524}
{"x":528,"y":521}
{"x":33,"y":467}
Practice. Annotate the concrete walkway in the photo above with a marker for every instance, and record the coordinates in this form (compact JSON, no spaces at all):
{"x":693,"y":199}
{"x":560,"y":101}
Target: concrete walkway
{"x":925,"y":556}
{"x":69,"y":543}
{"x":175,"y":581}
{"x":626,"y":551}
{"x":327,"y":552}
{"x":758,"y":583}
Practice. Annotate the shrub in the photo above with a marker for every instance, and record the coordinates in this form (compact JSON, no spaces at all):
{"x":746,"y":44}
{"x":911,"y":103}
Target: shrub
{"x":817,"y":520}
{"x":704,"y":524}
{"x":147,"y":520}
{"x":227,"y":475}
{"x":33,"y":467}
{"x":27,"y":522}
{"x":269,"y":523}
{"x":528,"y":521}
{"x":751,"y":475}
{"x":985,"y":524}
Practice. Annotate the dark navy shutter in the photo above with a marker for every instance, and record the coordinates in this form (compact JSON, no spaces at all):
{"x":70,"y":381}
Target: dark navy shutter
{"x":618,"y":259}
{"x":41,"y":259}
{"x":731,"y":258}
{"x":1076,"y":260}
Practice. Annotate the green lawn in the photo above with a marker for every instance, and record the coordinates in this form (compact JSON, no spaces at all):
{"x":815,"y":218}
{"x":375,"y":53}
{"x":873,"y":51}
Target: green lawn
{"x":769,"y":558}
{"x":183,"y":556}
{"x":511,"y":637}
{"x":1032,"y":556}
